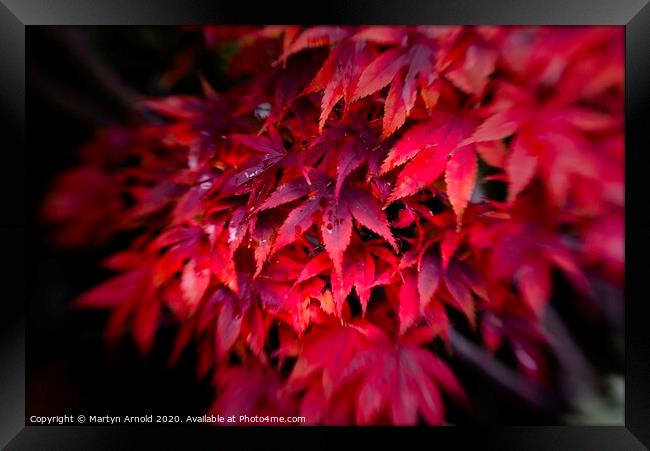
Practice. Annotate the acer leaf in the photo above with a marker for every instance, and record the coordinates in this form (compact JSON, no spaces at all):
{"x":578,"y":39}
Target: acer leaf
{"x":419,"y":173}
{"x":315,"y":266}
{"x":228,"y":327}
{"x":327,"y":352}
{"x":419,"y":61}
{"x":114,"y":291}
{"x":460,"y":177}
{"x":498,"y":126}
{"x":287,"y":192}
{"x":350,"y":159}
{"x":339,"y":76}
{"x":461,"y":296}
{"x":336,"y":231}
{"x":194,"y":283}
{"x":314,"y":37}
{"x":298,"y":220}
{"x":520,"y":166}
{"x":380,"y":72}
{"x":429,"y":277}
{"x":427,"y":146}
{"x":368,"y":213}
{"x":534,"y":282}
{"x":145,"y":324}
{"x":406,"y":379}
{"x":409,"y":302}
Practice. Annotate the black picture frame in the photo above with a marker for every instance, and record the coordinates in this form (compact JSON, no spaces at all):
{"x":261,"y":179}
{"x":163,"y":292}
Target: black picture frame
{"x":16,"y":15}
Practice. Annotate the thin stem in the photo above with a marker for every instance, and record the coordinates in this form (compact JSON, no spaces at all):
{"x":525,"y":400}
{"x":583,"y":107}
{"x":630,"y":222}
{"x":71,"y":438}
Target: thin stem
{"x":77,"y":108}
{"x":578,"y":377}
{"x":76,"y":42}
{"x":475,"y":358}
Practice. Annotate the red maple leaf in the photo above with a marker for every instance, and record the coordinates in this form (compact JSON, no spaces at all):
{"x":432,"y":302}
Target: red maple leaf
{"x":399,"y":383}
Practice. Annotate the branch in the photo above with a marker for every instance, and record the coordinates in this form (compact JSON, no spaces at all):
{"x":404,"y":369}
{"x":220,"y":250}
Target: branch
{"x":475,"y":358}
{"x":578,"y":376}
{"x":76,"y":42}
{"x":68,"y":103}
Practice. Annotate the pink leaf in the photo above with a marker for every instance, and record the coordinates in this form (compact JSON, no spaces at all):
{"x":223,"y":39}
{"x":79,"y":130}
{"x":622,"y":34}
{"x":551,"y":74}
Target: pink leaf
{"x":380,"y":72}
{"x":520,"y":166}
{"x":428,"y":278}
{"x":460,"y":177}
{"x":368,"y":212}
{"x":228,"y":327}
{"x":336,"y":231}
{"x":409,"y":302}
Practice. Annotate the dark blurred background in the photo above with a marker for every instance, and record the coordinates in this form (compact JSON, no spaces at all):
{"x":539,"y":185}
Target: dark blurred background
{"x":83,"y":78}
{"x":79,"y":79}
